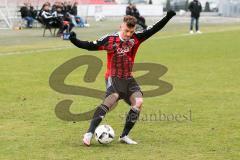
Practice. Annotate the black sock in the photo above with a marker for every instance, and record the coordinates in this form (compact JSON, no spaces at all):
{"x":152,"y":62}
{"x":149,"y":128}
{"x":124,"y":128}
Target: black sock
{"x":131,"y":119}
{"x":97,"y":117}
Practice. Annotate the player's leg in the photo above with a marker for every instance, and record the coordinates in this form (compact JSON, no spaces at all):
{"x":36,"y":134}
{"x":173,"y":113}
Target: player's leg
{"x":135,"y":99}
{"x":99,"y":114}
{"x":102,"y":110}
{"x":132,"y":116}
{"x":112,"y":97}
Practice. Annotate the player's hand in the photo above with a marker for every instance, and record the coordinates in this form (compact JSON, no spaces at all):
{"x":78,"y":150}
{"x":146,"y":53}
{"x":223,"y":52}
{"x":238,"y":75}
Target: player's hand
{"x":171,"y":13}
{"x":72,"y":35}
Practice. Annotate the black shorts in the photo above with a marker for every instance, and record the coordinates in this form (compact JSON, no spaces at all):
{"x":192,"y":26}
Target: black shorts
{"x":124,"y":87}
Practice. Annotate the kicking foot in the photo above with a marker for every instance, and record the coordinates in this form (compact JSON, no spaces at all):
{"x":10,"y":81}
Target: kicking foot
{"x":87,"y":138}
{"x":127,"y":140}
{"x":191,"y":32}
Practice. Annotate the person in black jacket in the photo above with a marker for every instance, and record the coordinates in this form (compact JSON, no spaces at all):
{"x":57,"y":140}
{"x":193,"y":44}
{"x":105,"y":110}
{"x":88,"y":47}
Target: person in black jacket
{"x":73,"y":10}
{"x":27,"y":14}
{"x":195,"y":8}
{"x":133,"y":11}
{"x":129,"y":9}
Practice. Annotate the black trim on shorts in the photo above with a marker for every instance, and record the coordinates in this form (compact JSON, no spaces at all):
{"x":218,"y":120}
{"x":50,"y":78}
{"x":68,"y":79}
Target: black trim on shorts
{"x":124,"y":87}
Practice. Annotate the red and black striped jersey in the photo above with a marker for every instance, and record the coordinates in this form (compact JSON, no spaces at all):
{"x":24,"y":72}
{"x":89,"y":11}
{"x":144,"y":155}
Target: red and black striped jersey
{"x":120,"y":53}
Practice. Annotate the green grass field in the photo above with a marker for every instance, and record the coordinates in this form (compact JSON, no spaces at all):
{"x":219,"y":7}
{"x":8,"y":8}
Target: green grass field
{"x":203,"y":69}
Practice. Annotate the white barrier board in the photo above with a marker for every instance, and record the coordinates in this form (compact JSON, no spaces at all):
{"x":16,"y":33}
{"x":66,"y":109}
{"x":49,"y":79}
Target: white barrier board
{"x":118,"y":10}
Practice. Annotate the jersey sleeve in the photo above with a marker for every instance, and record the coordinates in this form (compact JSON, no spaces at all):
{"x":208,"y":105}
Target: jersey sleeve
{"x":99,"y":44}
{"x":102,"y":42}
{"x":147,"y":33}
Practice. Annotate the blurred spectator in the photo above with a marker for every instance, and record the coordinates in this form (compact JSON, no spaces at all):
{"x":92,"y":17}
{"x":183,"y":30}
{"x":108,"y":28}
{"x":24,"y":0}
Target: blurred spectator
{"x":72,"y":11}
{"x":33,"y":12}
{"x":133,"y":11}
{"x":80,"y":22}
{"x":168,"y":5}
{"x":129,"y":9}
{"x":207,"y":7}
{"x":67,"y":21}
{"x":61,"y":15}
{"x":76,"y":20}
{"x":56,"y":18}
{"x":68,"y":6}
{"x":58,"y":9}
{"x":195,"y":8}
{"x":27,"y":13}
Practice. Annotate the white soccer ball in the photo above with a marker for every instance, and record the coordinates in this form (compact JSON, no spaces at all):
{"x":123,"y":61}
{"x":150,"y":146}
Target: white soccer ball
{"x":104,"y":134}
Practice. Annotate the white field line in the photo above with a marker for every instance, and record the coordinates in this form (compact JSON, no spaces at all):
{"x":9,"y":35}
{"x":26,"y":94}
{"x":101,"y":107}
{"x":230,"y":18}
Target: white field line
{"x":188,"y":34}
{"x":71,"y":46}
{"x":44,"y":50}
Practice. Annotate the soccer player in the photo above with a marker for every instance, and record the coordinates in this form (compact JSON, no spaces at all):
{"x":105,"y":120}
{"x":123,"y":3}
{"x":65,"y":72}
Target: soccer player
{"x":121,"y":50}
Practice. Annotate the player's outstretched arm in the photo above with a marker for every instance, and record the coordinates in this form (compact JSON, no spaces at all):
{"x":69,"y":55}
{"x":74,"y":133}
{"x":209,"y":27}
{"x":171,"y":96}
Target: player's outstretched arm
{"x":156,"y":27}
{"x":82,"y":44}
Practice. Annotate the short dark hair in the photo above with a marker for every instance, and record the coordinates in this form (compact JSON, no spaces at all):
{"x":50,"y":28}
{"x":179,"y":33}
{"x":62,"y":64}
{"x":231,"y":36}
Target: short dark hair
{"x":130,"y":21}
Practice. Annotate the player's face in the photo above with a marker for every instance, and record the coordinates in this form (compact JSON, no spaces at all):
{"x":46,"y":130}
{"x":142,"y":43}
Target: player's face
{"x":126,"y":32}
